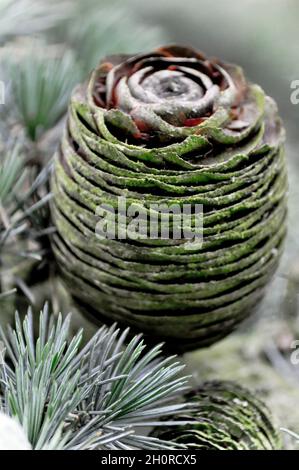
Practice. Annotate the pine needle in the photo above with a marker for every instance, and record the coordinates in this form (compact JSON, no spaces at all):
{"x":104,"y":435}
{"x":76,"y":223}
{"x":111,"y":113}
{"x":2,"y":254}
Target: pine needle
{"x":91,"y":398}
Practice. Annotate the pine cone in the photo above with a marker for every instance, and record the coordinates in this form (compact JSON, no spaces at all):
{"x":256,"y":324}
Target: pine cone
{"x":225,"y":417}
{"x":170,"y":127}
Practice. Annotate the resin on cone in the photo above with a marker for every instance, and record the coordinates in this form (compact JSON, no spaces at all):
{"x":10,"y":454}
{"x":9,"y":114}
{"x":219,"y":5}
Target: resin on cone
{"x":170,"y":127}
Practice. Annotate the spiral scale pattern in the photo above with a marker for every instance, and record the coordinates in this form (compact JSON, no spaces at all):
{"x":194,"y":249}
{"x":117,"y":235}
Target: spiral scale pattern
{"x":224,"y":416}
{"x":171,"y":127}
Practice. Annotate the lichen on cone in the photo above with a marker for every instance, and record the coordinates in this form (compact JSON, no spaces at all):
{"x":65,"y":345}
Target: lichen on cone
{"x":171,"y":127}
{"x":225,"y":416}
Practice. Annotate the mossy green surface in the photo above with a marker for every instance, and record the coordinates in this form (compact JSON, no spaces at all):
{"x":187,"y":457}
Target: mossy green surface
{"x":231,"y":161}
{"x":225,"y":416}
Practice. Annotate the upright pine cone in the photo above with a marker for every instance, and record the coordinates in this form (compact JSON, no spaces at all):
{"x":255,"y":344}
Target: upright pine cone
{"x":170,"y":127}
{"x":225,"y":417}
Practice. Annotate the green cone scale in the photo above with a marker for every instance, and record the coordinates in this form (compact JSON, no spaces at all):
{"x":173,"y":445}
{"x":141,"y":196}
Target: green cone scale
{"x":170,"y":128}
{"x":224,"y":416}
